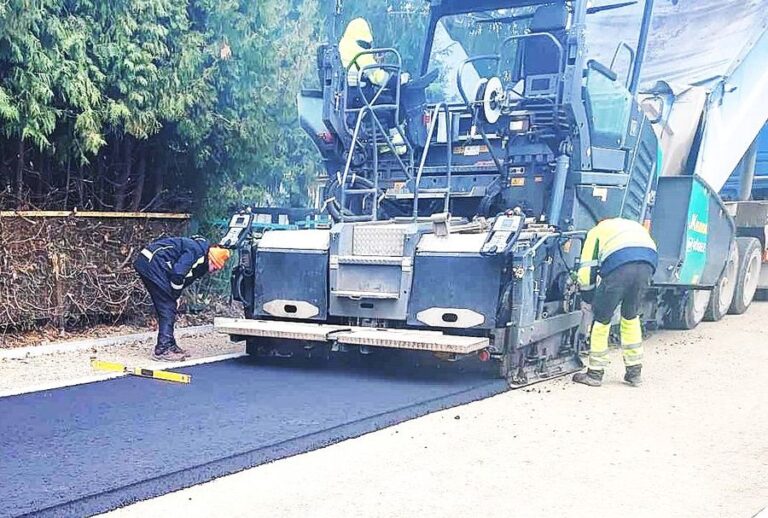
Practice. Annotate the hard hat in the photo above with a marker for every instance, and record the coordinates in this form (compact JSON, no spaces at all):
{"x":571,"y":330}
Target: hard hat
{"x":359,"y":29}
{"x":218,"y":257}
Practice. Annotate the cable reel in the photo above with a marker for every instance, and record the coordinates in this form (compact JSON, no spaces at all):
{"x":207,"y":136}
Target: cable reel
{"x":490,"y":99}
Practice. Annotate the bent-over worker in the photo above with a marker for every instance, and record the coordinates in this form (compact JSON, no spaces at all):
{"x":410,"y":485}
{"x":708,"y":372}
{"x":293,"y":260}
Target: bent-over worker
{"x":166,"y":267}
{"x":621,"y":254}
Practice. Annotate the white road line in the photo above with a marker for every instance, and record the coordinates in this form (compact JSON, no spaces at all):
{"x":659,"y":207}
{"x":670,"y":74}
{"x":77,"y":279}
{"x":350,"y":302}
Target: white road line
{"x":113,"y":375}
{"x":83,"y":345}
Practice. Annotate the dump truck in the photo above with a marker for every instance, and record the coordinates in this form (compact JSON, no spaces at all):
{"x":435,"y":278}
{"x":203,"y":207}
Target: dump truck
{"x":460,"y":199}
{"x":755,"y":164}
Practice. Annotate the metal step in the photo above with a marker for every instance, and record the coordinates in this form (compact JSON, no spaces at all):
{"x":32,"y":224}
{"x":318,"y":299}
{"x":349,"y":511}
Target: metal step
{"x":358,"y":295}
{"x":373,"y":260}
{"x":361,"y":191}
{"x":474,"y":193}
{"x":435,"y":341}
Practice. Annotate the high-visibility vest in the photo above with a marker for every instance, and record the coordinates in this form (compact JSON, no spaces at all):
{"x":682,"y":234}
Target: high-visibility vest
{"x":358,"y":30}
{"x":613,"y":243}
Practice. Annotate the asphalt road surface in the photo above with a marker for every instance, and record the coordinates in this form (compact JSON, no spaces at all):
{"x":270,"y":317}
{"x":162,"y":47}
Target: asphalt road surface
{"x":692,"y":442}
{"x":90,"y":448}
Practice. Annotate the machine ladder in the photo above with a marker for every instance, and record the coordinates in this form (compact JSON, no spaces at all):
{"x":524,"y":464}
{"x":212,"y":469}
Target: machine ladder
{"x":370,"y":135}
{"x":445,"y":191}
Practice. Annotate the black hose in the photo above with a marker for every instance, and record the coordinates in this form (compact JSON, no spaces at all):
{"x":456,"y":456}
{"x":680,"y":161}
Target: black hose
{"x":494,"y":189}
{"x":332,"y":192}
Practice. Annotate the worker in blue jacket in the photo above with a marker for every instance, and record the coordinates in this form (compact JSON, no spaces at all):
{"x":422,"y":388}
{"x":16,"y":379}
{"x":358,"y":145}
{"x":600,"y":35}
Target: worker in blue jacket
{"x":618,"y":260}
{"x":166,"y":267}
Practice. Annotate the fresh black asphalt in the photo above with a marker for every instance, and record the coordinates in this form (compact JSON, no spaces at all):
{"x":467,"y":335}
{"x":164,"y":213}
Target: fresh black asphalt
{"x":87,"y":449}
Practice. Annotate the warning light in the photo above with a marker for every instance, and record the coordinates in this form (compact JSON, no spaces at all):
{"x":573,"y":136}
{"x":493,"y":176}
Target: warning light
{"x":326,"y":137}
{"x":484,"y":355}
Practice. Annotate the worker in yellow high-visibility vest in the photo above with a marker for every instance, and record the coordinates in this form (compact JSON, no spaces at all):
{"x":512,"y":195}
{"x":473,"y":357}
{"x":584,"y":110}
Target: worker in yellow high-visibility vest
{"x":358,"y":38}
{"x":618,"y":260}
{"x":353,"y":50}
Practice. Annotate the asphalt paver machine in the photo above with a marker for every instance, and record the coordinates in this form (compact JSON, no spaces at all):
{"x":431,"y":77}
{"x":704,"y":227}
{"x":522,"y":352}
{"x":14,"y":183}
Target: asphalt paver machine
{"x":460,"y":198}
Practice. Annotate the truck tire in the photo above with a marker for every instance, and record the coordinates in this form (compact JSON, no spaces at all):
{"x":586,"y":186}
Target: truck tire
{"x":723,"y":293}
{"x":750,"y":262}
{"x":689,"y":310}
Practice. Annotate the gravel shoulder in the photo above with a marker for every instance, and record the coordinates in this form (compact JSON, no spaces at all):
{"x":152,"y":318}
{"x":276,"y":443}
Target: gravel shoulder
{"x":75,"y":365}
{"x":691,"y":442}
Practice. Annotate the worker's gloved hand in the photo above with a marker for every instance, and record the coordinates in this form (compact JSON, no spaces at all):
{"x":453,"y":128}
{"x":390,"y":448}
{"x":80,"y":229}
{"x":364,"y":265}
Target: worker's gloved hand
{"x":588,"y":296}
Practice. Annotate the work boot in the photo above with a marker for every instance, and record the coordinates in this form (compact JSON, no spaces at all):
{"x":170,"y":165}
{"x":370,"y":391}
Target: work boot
{"x":632,"y":375}
{"x":167,"y":355}
{"x":591,"y":378}
{"x":178,"y":350}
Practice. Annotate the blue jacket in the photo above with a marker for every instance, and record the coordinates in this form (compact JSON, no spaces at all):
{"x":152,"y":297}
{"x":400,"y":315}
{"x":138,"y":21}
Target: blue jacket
{"x":173,"y":263}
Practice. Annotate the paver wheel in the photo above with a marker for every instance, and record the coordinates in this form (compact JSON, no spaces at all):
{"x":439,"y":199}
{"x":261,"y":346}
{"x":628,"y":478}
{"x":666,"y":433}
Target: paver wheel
{"x":689,"y":310}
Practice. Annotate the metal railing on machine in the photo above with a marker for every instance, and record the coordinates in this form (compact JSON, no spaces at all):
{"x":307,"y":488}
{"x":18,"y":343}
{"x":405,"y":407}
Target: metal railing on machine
{"x":371,"y":109}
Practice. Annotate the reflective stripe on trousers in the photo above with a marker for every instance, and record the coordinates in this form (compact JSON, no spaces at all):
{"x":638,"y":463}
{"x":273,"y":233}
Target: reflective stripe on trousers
{"x":631,"y":344}
{"x":631,"y":341}
{"x":598,"y":346}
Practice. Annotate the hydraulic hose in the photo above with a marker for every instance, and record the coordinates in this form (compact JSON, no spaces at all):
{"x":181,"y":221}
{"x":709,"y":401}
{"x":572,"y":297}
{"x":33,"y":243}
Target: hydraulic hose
{"x":334,"y":208}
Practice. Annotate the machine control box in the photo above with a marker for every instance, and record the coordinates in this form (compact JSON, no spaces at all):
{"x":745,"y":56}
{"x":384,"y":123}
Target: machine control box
{"x":239,"y":226}
{"x":505,"y":230}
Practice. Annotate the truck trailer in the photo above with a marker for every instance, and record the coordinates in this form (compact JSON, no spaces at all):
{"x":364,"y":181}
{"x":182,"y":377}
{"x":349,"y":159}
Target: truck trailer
{"x":460,"y":199}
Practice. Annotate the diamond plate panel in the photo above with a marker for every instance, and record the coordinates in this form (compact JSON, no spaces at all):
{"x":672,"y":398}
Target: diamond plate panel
{"x":378,"y":240}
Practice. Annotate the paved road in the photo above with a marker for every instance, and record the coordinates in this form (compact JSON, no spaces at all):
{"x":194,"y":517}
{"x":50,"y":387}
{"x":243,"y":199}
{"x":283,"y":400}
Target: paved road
{"x":690,"y":443}
{"x":90,"y":448}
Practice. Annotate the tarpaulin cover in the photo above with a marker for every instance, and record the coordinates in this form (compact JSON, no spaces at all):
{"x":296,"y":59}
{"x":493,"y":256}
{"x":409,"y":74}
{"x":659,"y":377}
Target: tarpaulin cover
{"x":691,"y":41}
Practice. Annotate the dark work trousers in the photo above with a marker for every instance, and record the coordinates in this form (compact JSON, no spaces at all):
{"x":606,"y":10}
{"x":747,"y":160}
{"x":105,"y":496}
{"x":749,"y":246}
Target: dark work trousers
{"x":387,"y":96}
{"x":165,"y":309}
{"x":623,"y":286}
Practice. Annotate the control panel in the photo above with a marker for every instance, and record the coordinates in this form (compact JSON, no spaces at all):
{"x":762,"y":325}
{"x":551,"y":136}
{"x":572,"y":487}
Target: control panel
{"x":504,"y":233}
{"x":239,"y":227}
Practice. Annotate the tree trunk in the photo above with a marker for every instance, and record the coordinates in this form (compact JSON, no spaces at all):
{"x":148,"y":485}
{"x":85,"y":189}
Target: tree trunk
{"x":81,"y":182}
{"x":112,"y":163}
{"x":20,"y":170}
{"x":141,"y":170}
{"x":3,"y":177}
{"x":98,"y":187}
{"x":159,"y":172}
{"x":66,"y":185}
{"x":125,"y":178}
{"x":43,"y":177}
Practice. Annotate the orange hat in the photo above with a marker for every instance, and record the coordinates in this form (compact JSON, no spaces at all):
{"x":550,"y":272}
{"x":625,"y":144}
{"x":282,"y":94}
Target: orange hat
{"x":218,"y":256}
